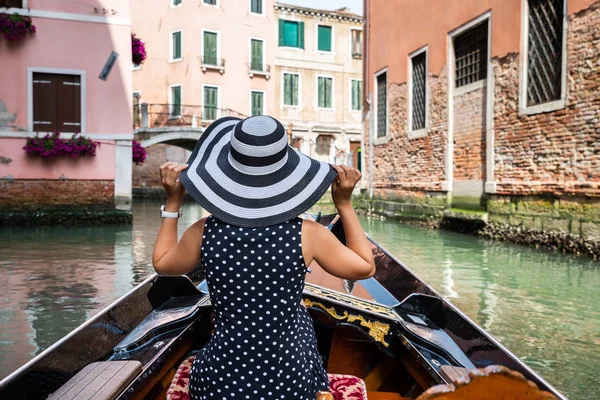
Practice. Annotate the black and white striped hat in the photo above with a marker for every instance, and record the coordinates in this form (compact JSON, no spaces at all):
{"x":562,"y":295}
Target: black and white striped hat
{"x":245,"y":173}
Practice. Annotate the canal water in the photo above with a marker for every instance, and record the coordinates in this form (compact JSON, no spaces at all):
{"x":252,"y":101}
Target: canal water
{"x":543,"y":306}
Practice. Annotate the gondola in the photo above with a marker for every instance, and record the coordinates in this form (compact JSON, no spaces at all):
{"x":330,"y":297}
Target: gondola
{"x":393,"y":331}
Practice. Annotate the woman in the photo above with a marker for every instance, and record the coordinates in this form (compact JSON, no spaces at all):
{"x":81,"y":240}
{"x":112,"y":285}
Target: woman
{"x":255,"y":251}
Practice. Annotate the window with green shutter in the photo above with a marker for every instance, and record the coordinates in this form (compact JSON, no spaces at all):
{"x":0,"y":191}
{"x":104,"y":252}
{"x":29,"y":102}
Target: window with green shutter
{"x":325,"y":92}
{"x":356,"y":95}
{"x":175,"y":101}
{"x":256,"y":6}
{"x":211,"y":98}
{"x":176,"y":2}
{"x":176,"y":53}
{"x":211,"y":2}
{"x":291,"y":34}
{"x":290,"y":89}
{"x":257,"y":103}
{"x":324,"y":38}
{"x":256,"y":55}
{"x":210,"y":48}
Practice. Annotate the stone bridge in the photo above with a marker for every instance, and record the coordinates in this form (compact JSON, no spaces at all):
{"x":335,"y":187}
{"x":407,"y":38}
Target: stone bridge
{"x":181,"y":136}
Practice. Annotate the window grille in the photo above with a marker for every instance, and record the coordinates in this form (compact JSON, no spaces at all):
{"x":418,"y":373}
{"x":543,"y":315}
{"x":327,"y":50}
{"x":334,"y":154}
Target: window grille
{"x":544,"y":51}
{"x":382,"y":105}
{"x":470,"y":55}
{"x":419,"y":77}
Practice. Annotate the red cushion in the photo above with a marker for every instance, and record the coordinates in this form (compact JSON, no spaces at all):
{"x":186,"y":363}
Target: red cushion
{"x":342,"y":387}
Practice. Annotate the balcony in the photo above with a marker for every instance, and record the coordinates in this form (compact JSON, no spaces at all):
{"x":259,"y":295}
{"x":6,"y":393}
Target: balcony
{"x":259,"y":70}
{"x":212,"y":63}
{"x":178,"y":115}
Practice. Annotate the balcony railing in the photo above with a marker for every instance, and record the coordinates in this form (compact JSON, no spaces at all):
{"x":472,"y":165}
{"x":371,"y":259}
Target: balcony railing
{"x":165,"y":115}
{"x":209,"y":62}
{"x":259,"y":69}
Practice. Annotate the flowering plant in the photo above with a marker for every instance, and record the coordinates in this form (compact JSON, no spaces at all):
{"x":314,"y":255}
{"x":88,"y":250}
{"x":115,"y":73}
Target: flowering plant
{"x":138,"y":50}
{"x":138,"y":152}
{"x":15,"y":26}
{"x":53,"y":145}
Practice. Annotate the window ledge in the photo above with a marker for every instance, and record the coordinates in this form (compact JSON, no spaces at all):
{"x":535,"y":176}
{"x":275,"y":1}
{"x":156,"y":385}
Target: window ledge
{"x":543,"y":108}
{"x":325,"y":109}
{"x":471,"y":87}
{"x":266,"y":74}
{"x":206,"y":67}
{"x":292,"y":107}
{"x":420,"y":133}
{"x":291,"y":48}
{"x":256,"y":14}
{"x":176,"y":60}
{"x":328,"y":53}
{"x":381,"y":140}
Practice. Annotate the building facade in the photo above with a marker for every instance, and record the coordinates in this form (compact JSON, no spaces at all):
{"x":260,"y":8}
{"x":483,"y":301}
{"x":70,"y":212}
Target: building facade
{"x":490,"y":106}
{"x":318,"y":81}
{"x":51,"y":83}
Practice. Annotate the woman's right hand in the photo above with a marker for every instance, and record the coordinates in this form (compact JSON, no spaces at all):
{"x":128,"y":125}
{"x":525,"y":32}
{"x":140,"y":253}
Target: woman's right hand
{"x":343,"y":185}
{"x":169,"y":176}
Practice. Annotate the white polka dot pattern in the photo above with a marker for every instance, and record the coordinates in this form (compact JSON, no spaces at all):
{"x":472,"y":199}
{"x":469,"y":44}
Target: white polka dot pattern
{"x":263,"y":345}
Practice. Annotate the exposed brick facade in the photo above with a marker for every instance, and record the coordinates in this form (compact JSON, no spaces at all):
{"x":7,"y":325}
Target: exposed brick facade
{"x":23,"y":194}
{"x":146,"y":174}
{"x":469,"y":135}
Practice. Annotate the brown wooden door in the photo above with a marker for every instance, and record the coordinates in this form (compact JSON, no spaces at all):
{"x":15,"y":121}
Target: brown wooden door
{"x":355,"y":151}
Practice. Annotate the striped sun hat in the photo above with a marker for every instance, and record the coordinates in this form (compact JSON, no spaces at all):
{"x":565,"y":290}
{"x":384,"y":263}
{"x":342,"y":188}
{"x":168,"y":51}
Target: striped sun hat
{"x":245,"y":173}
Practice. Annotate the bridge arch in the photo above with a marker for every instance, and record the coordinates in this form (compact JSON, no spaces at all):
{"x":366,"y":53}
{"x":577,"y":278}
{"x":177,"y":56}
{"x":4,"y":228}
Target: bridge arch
{"x":185,"y":137}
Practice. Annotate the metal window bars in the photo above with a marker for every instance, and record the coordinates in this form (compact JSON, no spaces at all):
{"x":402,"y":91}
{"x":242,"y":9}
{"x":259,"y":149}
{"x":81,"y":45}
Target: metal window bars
{"x":382,"y":105}
{"x":470,"y":55}
{"x":419,"y":75}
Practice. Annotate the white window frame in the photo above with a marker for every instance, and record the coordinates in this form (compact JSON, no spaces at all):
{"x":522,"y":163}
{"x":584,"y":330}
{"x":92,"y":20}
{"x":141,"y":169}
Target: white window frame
{"x":264,"y":105}
{"x":350,"y":42}
{"x":264,"y":55}
{"x":412,"y":133}
{"x":218,"y":45}
{"x":58,"y":71}
{"x":173,"y":5}
{"x":360,"y":100}
{"x":385,"y":138}
{"x":451,"y":56}
{"x":283,"y":105}
{"x":211,"y":5}
{"x":171,"y":59}
{"x":253,"y":13}
{"x":171,"y":99}
{"x":561,"y":103}
{"x":317,"y":92}
{"x":135,"y":67}
{"x":317,"y":39}
{"x":218,"y":101}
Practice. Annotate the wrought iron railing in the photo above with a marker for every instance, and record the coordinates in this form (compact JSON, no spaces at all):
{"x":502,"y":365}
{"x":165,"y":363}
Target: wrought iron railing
{"x":259,"y":68}
{"x":165,"y":115}
{"x":213,"y":61}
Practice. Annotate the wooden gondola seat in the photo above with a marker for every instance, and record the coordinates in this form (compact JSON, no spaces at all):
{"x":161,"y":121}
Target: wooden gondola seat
{"x":99,"y":381}
{"x":492,"y":383}
{"x":342,"y":387}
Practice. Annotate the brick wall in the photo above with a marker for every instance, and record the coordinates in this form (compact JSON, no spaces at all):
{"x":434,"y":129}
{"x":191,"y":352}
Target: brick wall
{"x":469,"y":135}
{"x":19,"y":194}
{"x":147,"y":175}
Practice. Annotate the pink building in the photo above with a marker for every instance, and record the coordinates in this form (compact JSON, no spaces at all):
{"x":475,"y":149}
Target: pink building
{"x":51,"y":81}
{"x":217,"y":54}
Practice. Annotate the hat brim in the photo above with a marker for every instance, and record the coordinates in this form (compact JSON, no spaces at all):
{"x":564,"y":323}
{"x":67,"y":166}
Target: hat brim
{"x":265,"y":197}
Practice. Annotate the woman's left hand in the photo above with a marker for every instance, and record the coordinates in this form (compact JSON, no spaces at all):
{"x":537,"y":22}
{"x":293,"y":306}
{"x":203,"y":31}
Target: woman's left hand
{"x":169,"y":176}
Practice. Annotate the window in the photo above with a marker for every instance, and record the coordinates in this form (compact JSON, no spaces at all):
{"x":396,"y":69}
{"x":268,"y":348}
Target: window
{"x":175,"y":101}
{"x":256,"y":55}
{"x":210,"y":48}
{"x":290,"y":89}
{"x":176,"y":46}
{"x":471,"y":54}
{"x":291,"y":34}
{"x":325,"y":92}
{"x":56,"y":102}
{"x":418,"y":93}
{"x":356,"y":94}
{"x":175,"y":3}
{"x":11,"y":3}
{"x":381,"y":104}
{"x":257,"y":102}
{"x":544,"y":51}
{"x":324,"y":34}
{"x":324,"y":142}
{"x":211,"y":102}
{"x":256,"y":6}
{"x":356,"y":43}
{"x":211,"y":2}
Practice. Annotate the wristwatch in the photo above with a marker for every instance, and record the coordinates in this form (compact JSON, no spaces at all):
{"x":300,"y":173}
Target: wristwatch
{"x":167,"y":214}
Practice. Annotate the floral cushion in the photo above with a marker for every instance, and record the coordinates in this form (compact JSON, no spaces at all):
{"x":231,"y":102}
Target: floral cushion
{"x":342,"y":387}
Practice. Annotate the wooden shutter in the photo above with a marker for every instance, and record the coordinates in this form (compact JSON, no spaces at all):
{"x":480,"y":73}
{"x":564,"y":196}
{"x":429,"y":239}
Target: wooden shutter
{"x":68,"y":92}
{"x":287,"y":89}
{"x":356,"y":95}
{"x":56,"y":103}
{"x":257,"y":103}
{"x":256,"y":6}
{"x":295,"y":89}
{"x":176,"y":101}
{"x":11,"y":3}
{"x":281,"y":32}
{"x":210,"y":103}
{"x":301,"y":35}
{"x":321,"y":93}
{"x":176,"y":45}
{"x":324,"y":38}
{"x":328,"y":94}
{"x":256,"y":49}
{"x":210,"y":48}
{"x":44,"y":103}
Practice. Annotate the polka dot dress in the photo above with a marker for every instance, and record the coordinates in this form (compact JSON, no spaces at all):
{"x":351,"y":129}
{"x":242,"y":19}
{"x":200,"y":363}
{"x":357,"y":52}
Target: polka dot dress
{"x":264,"y":344}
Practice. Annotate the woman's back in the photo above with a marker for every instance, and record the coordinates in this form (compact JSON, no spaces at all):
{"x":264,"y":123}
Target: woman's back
{"x":263,"y":342}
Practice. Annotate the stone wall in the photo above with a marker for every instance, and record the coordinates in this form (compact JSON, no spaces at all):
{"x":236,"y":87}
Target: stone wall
{"x":26,"y":194}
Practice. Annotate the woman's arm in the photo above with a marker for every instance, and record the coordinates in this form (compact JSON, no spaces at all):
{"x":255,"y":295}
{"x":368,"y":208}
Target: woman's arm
{"x":354,"y":261}
{"x":171,"y":257}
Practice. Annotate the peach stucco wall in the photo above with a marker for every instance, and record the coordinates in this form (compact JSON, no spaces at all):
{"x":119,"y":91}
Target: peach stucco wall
{"x":154,"y":21}
{"x":404,"y":26}
{"x":61,"y":44}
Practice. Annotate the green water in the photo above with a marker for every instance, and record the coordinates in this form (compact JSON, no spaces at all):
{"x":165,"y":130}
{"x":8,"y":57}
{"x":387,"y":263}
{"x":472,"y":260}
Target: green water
{"x":543,"y":306}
